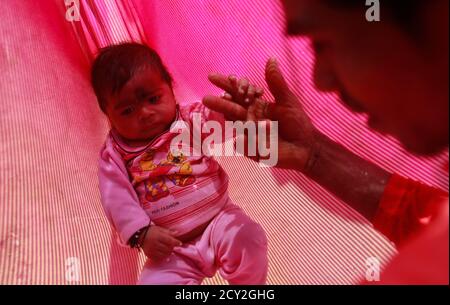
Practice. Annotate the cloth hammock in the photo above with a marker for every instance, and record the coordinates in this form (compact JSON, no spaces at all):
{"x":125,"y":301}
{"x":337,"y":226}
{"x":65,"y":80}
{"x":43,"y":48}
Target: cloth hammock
{"x":52,"y":226}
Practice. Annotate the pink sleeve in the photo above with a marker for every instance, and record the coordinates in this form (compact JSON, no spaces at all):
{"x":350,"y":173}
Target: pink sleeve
{"x":118,"y":197}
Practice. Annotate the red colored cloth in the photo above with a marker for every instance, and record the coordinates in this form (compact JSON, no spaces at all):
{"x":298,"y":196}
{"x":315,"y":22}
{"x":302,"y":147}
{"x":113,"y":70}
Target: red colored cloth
{"x":415,"y":217}
{"x":407,"y":207}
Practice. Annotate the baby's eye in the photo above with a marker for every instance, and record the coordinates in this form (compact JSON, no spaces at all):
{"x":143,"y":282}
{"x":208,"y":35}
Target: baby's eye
{"x":128,"y":111}
{"x":154,"y":99}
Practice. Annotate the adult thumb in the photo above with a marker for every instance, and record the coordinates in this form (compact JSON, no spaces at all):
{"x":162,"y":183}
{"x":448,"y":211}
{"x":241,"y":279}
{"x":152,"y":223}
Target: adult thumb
{"x":276,"y":82}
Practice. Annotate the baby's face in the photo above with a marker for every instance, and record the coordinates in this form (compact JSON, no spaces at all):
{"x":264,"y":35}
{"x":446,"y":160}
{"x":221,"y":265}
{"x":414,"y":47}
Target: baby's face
{"x":144,"y":108}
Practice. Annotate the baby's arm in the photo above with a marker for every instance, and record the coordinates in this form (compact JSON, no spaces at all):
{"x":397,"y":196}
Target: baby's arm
{"x":118,"y":197}
{"x":124,"y":211}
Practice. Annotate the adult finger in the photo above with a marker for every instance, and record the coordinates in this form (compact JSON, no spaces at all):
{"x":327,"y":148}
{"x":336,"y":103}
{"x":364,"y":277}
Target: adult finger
{"x":276,"y":82}
{"x":259,"y":110}
{"x":229,"y":109}
{"x":259,"y":92}
{"x":223,"y":82}
{"x":227,"y":96}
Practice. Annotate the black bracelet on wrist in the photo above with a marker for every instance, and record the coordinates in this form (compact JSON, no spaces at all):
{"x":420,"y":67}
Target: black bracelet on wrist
{"x":134,"y":241}
{"x":141,"y":238}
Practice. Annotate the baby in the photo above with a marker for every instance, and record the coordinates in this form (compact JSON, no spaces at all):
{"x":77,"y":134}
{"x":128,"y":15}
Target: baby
{"x":173,"y":206}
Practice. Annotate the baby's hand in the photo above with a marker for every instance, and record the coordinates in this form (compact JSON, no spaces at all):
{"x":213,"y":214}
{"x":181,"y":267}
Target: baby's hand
{"x":159,"y":243}
{"x":239,"y":91}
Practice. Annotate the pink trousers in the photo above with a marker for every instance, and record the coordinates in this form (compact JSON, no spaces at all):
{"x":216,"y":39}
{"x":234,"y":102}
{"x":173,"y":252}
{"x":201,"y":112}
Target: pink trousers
{"x":232,"y":243}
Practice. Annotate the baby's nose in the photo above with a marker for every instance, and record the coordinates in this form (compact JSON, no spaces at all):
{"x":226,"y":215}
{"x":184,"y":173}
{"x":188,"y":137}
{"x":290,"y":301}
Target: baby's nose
{"x":147,"y":112}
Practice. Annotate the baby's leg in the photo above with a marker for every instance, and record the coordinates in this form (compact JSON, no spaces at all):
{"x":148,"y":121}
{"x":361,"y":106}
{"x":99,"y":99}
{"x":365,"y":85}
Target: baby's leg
{"x":179,"y":269}
{"x":240,"y":247}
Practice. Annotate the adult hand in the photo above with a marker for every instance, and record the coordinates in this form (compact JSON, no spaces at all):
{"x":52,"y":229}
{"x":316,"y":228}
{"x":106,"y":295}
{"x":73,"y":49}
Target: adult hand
{"x":297,"y":136}
{"x":240,"y":91}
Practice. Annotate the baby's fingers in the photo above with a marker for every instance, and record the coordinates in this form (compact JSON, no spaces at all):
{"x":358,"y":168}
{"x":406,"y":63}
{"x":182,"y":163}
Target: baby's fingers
{"x":233,"y":82}
{"x":258,"y":111}
{"x":243,"y":86}
{"x":250,"y":94}
{"x":259,"y":91}
{"x":227,"y":96}
{"x":170,"y":241}
{"x":169,"y":232}
{"x":161,"y":251}
{"x":156,"y":255}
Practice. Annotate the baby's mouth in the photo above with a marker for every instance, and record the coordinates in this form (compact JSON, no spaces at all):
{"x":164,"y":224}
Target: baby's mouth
{"x":149,"y":125}
{"x":153,"y":129}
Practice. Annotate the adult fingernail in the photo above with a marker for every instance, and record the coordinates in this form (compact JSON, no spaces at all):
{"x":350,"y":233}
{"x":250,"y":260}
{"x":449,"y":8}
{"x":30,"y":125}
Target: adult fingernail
{"x":274,"y":61}
{"x":212,"y":75}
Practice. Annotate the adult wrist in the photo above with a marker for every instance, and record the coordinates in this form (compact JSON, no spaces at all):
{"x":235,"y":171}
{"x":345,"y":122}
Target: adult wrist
{"x":314,"y":154}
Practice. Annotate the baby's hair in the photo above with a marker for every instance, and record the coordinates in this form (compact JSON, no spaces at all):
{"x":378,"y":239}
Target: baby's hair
{"x":115,"y":65}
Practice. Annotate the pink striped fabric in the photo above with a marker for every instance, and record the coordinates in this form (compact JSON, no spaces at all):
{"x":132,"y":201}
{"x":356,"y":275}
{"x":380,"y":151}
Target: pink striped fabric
{"x":105,"y":22}
{"x":52,"y":226}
